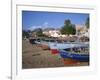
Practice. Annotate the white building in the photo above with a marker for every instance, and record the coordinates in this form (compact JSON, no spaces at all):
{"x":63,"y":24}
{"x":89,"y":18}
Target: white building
{"x":52,"y":33}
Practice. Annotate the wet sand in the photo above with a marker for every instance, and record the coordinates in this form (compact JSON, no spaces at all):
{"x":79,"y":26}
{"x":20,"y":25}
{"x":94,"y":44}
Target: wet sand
{"x":33,"y":56}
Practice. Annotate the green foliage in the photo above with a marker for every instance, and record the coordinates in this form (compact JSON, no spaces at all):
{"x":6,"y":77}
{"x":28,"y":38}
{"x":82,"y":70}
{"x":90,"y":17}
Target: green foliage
{"x":87,"y":23}
{"x":25,"y":34}
{"x":68,"y":28}
{"x":39,"y":32}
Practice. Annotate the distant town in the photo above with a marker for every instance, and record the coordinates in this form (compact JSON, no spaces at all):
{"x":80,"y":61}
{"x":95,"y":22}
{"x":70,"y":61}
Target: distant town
{"x":68,"y":31}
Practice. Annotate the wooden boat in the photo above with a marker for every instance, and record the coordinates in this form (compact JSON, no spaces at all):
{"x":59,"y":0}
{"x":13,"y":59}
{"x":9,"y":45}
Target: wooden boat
{"x":56,"y":46}
{"x":66,"y":45}
{"x":45,"y":43}
{"x":74,"y":56}
{"x":32,"y":41}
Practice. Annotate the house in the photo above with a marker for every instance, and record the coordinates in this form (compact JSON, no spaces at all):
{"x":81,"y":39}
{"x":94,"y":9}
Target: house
{"x":52,"y":33}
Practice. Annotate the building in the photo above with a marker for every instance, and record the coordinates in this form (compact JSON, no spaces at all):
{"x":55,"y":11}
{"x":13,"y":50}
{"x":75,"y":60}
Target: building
{"x":81,"y":30}
{"x":52,"y":33}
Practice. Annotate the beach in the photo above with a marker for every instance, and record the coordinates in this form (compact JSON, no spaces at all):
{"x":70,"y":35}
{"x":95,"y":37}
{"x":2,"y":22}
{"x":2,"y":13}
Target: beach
{"x":33,"y":56}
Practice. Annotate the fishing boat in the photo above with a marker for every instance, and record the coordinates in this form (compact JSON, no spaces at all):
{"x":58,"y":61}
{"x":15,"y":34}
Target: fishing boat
{"x":56,"y":46}
{"x":32,"y":41}
{"x":45,"y":43}
{"x":65,"y":45}
{"x":80,"y":56}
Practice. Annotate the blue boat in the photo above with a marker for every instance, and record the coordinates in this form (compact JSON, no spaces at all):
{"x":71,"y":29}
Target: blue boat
{"x":76,"y":56}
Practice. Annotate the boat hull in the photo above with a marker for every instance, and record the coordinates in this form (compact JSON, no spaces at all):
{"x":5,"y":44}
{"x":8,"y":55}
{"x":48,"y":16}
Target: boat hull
{"x":75,"y":56}
{"x":66,"y":45}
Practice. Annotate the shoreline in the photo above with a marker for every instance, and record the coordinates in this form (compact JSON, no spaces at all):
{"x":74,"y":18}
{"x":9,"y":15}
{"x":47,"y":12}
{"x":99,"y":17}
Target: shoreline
{"x":33,"y":56}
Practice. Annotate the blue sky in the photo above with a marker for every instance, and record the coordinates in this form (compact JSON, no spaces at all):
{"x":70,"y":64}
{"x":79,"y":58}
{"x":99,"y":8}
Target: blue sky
{"x":37,"y":19}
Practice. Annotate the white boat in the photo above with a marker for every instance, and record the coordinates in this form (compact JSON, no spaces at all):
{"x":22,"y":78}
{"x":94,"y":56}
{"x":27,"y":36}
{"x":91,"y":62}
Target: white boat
{"x":68,"y":45}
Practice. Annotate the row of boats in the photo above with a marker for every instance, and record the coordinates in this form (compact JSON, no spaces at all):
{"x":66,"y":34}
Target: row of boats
{"x":74,"y":50}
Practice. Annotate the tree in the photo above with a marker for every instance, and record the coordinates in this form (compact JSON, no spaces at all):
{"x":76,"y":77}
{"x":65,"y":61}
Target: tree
{"x":39,"y":32}
{"x":68,"y":28}
{"x":87,"y":23}
{"x":25,"y":34}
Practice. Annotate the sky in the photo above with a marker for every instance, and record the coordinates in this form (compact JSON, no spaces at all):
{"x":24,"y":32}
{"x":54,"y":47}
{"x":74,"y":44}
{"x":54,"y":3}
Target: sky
{"x":40,"y":19}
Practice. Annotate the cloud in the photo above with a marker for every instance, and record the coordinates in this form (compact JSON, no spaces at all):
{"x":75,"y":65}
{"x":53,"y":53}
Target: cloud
{"x":45,"y":23}
{"x":34,"y":27}
{"x":43,"y":26}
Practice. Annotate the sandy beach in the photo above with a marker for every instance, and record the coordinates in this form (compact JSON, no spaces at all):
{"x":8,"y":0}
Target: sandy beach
{"x":33,"y":56}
